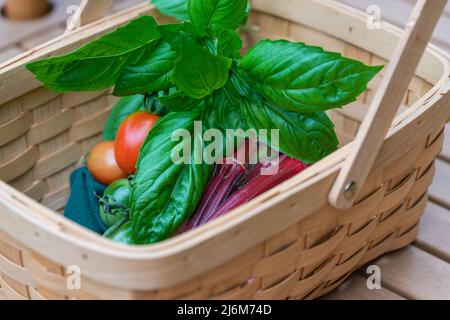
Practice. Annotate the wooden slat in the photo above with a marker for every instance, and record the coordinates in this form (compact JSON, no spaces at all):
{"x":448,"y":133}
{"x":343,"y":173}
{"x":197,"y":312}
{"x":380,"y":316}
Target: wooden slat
{"x":415,"y":274}
{"x":434,"y":234}
{"x":355,"y":288}
{"x":439,"y":190}
{"x":90,"y":11}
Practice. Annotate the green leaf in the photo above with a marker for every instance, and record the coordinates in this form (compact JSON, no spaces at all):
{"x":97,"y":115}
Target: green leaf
{"x":165,"y":193}
{"x":225,"y":13}
{"x":303,"y":78}
{"x":171,"y":32}
{"x":305,"y":136}
{"x":98,"y":64}
{"x":152,"y":104}
{"x":178,"y":101}
{"x":198,"y":72}
{"x":229,"y":42}
{"x":122,"y":109}
{"x":150,"y":74}
{"x":173,"y":8}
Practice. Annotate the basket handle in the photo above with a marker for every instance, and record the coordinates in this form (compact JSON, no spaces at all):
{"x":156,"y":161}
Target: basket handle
{"x":386,"y":102}
{"x":89,"y":11}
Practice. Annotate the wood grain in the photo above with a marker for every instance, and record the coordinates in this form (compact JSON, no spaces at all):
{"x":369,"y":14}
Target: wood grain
{"x":434,"y":234}
{"x":415,"y":274}
{"x":355,"y":288}
{"x":439,"y":190}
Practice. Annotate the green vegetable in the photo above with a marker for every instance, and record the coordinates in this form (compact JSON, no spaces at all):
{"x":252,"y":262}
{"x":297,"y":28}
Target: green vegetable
{"x":195,"y":70}
{"x":115,"y":203}
{"x":123,"y":235}
{"x":166,"y":193}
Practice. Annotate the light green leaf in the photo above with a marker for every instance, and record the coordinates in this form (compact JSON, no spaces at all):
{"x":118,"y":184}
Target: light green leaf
{"x":150,"y":74}
{"x":98,"y":64}
{"x":197,"y":71}
{"x":173,"y":8}
{"x":301,"y":78}
{"x":225,"y":13}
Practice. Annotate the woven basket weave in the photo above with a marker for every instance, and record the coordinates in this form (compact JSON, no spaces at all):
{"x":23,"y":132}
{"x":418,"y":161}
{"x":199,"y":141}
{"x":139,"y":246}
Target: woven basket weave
{"x":288,"y":243}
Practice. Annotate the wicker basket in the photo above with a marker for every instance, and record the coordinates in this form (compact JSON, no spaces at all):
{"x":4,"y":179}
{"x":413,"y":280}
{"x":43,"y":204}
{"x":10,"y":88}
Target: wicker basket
{"x":288,"y":243}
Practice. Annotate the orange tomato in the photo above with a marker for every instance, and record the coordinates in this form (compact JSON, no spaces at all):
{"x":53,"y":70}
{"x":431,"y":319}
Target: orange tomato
{"x":102,"y":163}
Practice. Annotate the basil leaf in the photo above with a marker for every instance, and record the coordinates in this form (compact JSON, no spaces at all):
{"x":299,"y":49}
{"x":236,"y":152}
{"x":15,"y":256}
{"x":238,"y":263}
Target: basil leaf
{"x":178,"y":101}
{"x":164,"y":193}
{"x":229,"y":42}
{"x":152,"y":104}
{"x":173,"y":8}
{"x":301,"y":78}
{"x":98,"y":64}
{"x":198,"y":72}
{"x":307,"y":137}
{"x":122,"y":109}
{"x":225,"y":13}
{"x":171,"y":33}
{"x":150,"y":74}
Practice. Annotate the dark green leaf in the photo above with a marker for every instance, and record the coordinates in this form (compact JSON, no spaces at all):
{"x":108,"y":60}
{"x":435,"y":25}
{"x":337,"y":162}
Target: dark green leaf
{"x":153,"y":106}
{"x":198,"y":72}
{"x":122,"y":109}
{"x":305,"y":136}
{"x":303,"y":78}
{"x":229,"y":43}
{"x":178,"y":101}
{"x":150,"y":74}
{"x":225,"y":13}
{"x":98,"y":64}
{"x":171,"y":33}
{"x":165,"y":193}
{"x":173,"y":8}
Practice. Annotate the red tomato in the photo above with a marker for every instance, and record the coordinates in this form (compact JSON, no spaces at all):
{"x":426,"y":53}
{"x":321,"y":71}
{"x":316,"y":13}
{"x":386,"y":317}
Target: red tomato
{"x":130,"y":137}
{"x":102,"y":163}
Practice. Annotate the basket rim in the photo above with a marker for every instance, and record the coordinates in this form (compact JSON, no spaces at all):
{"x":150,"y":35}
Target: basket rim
{"x":35,"y":225}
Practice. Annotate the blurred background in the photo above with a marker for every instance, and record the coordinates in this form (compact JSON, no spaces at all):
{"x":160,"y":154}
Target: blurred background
{"x":17,"y":36}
